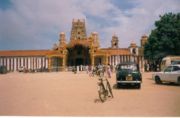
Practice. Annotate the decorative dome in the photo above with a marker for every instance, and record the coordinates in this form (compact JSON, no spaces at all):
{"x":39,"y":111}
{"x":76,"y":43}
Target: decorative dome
{"x":62,"y":33}
{"x":133,"y":44}
{"x":144,"y":36}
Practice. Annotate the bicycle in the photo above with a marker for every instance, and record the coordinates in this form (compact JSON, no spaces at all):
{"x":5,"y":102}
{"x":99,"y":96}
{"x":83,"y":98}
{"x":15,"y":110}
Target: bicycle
{"x":104,"y":89}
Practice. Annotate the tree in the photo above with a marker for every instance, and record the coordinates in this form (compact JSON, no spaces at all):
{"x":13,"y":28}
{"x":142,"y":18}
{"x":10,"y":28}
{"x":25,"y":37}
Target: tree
{"x":164,"y":39}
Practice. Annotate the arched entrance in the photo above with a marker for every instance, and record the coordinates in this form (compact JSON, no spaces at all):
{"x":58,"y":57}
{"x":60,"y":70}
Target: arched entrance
{"x":78,"y":55}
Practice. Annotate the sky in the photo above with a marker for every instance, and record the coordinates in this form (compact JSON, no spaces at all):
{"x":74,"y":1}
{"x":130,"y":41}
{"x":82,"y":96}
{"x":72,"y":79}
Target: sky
{"x":36,"y":24}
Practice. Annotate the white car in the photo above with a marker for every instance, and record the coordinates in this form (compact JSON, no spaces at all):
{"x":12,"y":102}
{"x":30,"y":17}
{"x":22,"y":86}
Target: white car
{"x":170,"y":74}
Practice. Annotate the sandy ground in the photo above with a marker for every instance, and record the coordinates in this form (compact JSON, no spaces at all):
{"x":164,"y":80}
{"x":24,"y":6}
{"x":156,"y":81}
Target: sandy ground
{"x":68,"y":94}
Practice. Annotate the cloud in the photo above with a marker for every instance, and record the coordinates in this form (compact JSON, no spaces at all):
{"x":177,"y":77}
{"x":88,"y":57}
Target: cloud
{"x":35,"y":24}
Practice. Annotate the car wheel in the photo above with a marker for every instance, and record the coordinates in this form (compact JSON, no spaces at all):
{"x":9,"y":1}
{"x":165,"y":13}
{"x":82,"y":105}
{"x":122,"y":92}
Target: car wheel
{"x":138,"y":86}
{"x":119,"y":85}
{"x":158,"y":80}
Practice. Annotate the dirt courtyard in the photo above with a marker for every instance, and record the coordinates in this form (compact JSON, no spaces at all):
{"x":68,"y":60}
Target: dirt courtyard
{"x":68,"y":94}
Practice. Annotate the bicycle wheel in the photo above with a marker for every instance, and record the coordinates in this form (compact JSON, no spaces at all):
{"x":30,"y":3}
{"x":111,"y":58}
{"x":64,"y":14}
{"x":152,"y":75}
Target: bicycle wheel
{"x":102,"y":94}
{"x":109,"y":88}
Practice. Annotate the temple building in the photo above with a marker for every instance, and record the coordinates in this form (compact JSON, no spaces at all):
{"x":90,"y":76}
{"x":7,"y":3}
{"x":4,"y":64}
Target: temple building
{"x":80,"y":50}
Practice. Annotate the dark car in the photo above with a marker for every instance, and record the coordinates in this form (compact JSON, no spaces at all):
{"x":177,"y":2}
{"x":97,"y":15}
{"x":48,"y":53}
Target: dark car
{"x":128,"y":74}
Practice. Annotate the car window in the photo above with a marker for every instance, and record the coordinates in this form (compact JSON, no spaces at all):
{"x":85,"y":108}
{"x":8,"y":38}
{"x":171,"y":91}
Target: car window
{"x":168,"y":69}
{"x":176,"y":68}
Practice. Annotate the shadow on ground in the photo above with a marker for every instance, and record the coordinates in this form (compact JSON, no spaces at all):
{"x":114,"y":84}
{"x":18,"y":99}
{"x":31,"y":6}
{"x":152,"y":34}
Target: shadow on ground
{"x":167,"y":84}
{"x":125,"y":87}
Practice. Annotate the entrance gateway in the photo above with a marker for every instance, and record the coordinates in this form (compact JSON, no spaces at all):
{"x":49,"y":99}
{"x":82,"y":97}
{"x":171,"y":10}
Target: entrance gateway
{"x":78,"y":55}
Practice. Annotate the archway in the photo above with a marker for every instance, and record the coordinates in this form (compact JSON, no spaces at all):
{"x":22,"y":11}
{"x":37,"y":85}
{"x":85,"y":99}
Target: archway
{"x":78,"y":55}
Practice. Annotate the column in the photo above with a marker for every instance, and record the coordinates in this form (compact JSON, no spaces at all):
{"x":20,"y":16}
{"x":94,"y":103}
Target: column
{"x":49,"y":63}
{"x":24,"y":62}
{"x":64,"y":61}
{"x":41,"y":62}
{"x":21,"y":62}
{"x":17,"y":67}
{"x":12,"y":64}
{"x":28,"y":62}
{"x":46,"y":62}
{"x":34,"y":63}
{"x":37,"y":62}
{"x":7,"y":64}
{"x":15,"y":64}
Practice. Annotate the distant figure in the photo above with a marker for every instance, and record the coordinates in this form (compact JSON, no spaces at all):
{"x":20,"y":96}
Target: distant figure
{"x":109,"y":71}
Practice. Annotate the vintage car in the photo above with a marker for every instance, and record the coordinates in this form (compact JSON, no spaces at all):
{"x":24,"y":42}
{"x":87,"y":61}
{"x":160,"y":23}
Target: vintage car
{"x":169,"y":74}
{"x":128,"y":74}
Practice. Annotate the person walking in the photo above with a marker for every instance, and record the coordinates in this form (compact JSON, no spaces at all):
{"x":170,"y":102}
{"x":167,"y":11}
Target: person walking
{"x":109,"y":71}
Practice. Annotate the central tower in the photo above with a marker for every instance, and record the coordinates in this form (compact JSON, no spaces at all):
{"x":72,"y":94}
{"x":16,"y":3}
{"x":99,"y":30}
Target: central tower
{"x":78,"y":30}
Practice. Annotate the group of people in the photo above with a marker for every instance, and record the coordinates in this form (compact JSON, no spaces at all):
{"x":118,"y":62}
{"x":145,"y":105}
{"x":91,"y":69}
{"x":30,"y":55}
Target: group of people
{"x":100,"y":69}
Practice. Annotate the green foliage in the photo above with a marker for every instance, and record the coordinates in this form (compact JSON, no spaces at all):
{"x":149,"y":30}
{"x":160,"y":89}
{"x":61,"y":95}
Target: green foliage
{"x":164,"y":39}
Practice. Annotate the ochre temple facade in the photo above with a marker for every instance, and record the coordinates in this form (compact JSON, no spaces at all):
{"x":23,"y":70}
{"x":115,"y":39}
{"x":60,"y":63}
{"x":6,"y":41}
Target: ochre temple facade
{"x":80,"y":50}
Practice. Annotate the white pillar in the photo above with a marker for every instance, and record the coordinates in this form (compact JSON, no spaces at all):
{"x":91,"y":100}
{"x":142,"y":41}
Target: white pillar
{"x":31,"y":60}
{"x":28,"y":63}
{"x":17,"y":63}
{"x":39,"y":62}
{"x":7,"y":64}
{"x":46,"y":62}
{"x":25,"y":62}
{"x":21,"y":62}
{"x":77,"y":67}
{"x":43,"y":62}
{"x":14,"y":64}
{"x":34,"y":62}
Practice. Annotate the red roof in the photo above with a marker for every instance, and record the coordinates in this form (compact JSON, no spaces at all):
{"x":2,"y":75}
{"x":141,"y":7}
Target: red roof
{"x":24,"y":52}
{"x":118,"y":51}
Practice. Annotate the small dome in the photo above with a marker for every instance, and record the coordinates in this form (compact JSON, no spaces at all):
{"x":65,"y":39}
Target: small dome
{"x":62,"y":33}
{"x":144,"y":36}
{"x":133,"y":44}
{"x":94,"y":33}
